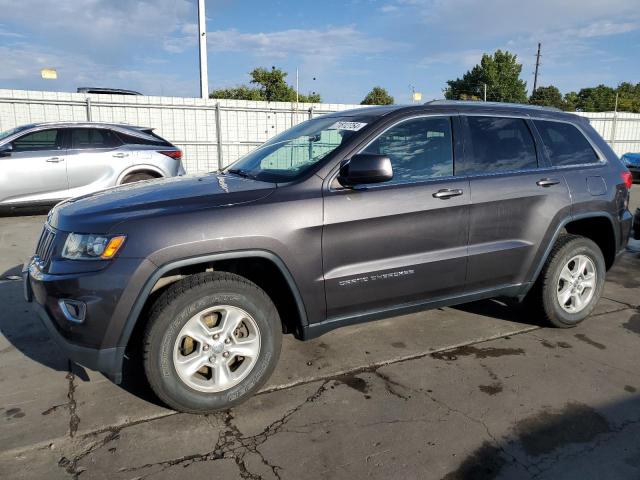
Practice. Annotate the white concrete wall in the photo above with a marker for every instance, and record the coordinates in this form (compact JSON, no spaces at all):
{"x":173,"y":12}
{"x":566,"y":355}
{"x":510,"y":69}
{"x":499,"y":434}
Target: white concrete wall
{"x":190,"y":123}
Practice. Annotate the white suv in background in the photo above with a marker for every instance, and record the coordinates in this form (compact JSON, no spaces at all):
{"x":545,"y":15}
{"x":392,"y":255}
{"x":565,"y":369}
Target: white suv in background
{"x":47,"y":162}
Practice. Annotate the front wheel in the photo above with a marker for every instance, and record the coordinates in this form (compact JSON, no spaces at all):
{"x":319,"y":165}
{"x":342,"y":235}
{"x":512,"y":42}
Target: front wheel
{"x":212,"y":340}
{"x":571,"y":282}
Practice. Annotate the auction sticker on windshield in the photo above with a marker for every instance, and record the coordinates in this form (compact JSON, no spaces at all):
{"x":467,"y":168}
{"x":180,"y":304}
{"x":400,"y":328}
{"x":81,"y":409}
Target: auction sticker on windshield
{"x":351,"y":126}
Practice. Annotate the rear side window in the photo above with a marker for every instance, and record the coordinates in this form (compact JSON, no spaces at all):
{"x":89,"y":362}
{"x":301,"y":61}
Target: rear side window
{"x":419,"y":149}
{"x":37,"y":141}
{"x":565,"y":144}
{"x":499,"y":145}
{"x":86,"y":138}
{"x":133,"y":140}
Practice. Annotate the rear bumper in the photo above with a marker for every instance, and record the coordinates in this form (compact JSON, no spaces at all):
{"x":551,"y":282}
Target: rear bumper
{"x":636,"y":225}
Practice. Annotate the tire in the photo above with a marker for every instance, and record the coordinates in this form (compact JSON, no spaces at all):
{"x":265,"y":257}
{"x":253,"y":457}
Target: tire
{"x":547,"y":293}
{"x":137,"y":177}
{"x":205,"y":296}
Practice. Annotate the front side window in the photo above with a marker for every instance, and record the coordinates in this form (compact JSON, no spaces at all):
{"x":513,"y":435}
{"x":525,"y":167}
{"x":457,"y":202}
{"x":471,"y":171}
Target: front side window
{"x":39,"y":141}
{"x":289,"y":155}
{"x":565,"y":144}
{"x":419,"y":149}
{"x":499,"y":145}
{"x":86,"y":138}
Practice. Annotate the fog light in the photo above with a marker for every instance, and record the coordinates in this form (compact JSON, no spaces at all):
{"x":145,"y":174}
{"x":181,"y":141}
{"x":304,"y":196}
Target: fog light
{"x":73,"y":310}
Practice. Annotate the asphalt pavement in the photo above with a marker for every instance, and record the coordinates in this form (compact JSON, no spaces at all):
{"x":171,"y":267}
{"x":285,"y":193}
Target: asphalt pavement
{"x":479,"y":391}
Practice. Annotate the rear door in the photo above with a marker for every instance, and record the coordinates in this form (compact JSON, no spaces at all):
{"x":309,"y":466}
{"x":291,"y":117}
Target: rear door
{"x":36,"y":168}
{"x":516,"y":200}
{"x":402,"y":241}
{"x":95,"y":159}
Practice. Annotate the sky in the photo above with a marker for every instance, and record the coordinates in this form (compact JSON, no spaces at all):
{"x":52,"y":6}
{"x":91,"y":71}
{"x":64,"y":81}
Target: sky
{"x":341,"y":48}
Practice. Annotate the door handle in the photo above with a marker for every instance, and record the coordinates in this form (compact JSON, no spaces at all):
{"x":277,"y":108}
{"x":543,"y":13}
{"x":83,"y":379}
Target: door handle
{"x":54,"y":160}
{"x":120,"y":155}
{"x":547,"y":182}
{"x":447,"y":193}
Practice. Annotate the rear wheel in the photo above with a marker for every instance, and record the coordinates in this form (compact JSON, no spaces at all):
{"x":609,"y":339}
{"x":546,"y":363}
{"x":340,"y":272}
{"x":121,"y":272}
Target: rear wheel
{"x":137,"y":177}
{"x":212,"y":340}
{"x":571,"y":281}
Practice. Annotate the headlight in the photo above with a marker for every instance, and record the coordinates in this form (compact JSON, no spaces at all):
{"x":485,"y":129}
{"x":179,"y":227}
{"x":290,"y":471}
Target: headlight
{"x":91,"y":247}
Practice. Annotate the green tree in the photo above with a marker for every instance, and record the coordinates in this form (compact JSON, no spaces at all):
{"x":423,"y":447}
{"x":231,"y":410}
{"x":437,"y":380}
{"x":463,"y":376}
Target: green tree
{"x":597,"y":99}
{"x":500,"y":72}
{"x":548,"y":97}
{"x":271,"y":86}
{"x":377,"y":96}
{"x":571,"y":101}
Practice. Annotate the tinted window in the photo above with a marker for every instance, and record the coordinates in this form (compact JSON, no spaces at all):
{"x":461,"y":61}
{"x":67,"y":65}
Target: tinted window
{"x":419,"y":149}
{"x":84,"y":138}
{"x":565,"y":144}
{"x":36,"y":141}
{"x":499,"y":145}
{"x":133,"y":140}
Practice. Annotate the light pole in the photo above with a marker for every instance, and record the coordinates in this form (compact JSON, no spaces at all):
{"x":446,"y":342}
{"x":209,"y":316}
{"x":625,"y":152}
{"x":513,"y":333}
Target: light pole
{"x":202,"y":37}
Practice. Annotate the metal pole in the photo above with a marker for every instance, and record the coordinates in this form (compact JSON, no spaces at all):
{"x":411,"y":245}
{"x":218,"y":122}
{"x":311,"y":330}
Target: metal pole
{"x":297,"y":88}
{"x":202,"y":34}
{"x":615,"y":121}
{"x":88,"y":109}
{"x":485,"y":92}
{"x":219,"y":136}
{"x":535,"y":75}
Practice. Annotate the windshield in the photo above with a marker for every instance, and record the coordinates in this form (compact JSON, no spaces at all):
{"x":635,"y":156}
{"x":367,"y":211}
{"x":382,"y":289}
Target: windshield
{"x":290,"y":154}
{"x":8,"y":133}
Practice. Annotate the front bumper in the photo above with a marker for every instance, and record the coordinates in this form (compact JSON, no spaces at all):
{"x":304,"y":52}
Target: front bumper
{"x":95,"y":343}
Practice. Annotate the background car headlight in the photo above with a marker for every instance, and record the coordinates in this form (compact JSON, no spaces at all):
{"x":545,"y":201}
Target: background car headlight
{"x":91,"y":246}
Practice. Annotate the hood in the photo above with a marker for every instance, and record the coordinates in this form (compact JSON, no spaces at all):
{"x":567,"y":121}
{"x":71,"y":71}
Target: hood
{"x":99,"y":212}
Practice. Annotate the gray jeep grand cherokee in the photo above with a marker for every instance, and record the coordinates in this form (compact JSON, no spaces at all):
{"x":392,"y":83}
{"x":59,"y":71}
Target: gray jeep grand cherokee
{"x":345,"y":218}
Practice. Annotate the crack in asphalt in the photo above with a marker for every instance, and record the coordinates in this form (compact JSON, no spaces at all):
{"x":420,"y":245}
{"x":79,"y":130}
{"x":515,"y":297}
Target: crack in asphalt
{"x":71,"y":404}
{"x":603,"y":438}
{"x":232,"y":444}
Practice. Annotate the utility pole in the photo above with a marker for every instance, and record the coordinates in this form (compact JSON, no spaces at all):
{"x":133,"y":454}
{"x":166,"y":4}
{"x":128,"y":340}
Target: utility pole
{"x":202,"y":34}
{"x":297,"y":87}
{"x":535,"y":76}
{"x":485,"y":91}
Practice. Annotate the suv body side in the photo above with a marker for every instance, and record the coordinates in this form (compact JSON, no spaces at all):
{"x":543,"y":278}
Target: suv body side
{"x":84,"y":158}
{"x":316,"y":235}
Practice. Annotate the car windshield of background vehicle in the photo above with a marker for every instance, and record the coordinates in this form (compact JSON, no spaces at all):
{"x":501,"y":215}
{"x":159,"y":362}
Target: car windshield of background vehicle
{"x":291,"y":154}
{"x":8,"y":133}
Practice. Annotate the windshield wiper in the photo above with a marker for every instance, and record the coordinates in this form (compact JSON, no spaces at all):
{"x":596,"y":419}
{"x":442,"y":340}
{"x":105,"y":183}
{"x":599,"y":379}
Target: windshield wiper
{"x":241,"y":173}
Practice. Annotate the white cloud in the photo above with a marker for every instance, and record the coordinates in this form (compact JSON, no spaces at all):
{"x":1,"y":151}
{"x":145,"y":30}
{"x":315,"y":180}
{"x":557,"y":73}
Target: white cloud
{"x":323,"y":45}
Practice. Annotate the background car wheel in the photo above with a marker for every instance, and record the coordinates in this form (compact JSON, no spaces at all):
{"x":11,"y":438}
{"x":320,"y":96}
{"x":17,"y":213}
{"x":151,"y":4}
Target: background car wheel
{"x":571,"y":281}
{"x":137,"y":177}
{"x":212,"y":340}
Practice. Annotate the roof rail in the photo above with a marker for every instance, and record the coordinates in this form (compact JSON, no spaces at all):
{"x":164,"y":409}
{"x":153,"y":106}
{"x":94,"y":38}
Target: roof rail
{"x":491,"y":104}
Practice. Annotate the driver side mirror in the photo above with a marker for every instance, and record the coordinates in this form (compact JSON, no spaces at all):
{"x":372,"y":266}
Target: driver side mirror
{"x":6,"y":150}
{"x":365,"y":168}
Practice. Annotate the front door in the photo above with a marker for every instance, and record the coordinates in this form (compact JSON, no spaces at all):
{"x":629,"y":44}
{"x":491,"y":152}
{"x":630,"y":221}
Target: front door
{"x":36,"y":168}
{"x":403,"y":241}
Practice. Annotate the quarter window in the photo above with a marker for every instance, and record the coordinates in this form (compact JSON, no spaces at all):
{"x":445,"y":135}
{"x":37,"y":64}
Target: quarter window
{"x":39,"y":141}
{"x":419,"y":149}
{"x":85,"y":138}
{"x":499,"y":145}
{"x":565,"y":144}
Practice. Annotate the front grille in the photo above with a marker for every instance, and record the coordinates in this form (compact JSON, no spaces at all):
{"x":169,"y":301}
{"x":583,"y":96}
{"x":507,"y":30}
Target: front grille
{"x":46,"y":244}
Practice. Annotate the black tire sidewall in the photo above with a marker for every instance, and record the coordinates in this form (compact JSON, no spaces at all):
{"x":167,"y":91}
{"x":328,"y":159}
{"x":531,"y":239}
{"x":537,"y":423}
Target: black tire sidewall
{"x":136,"y":177}
{"x":167,"y":324}
{"x":556,"y":314}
